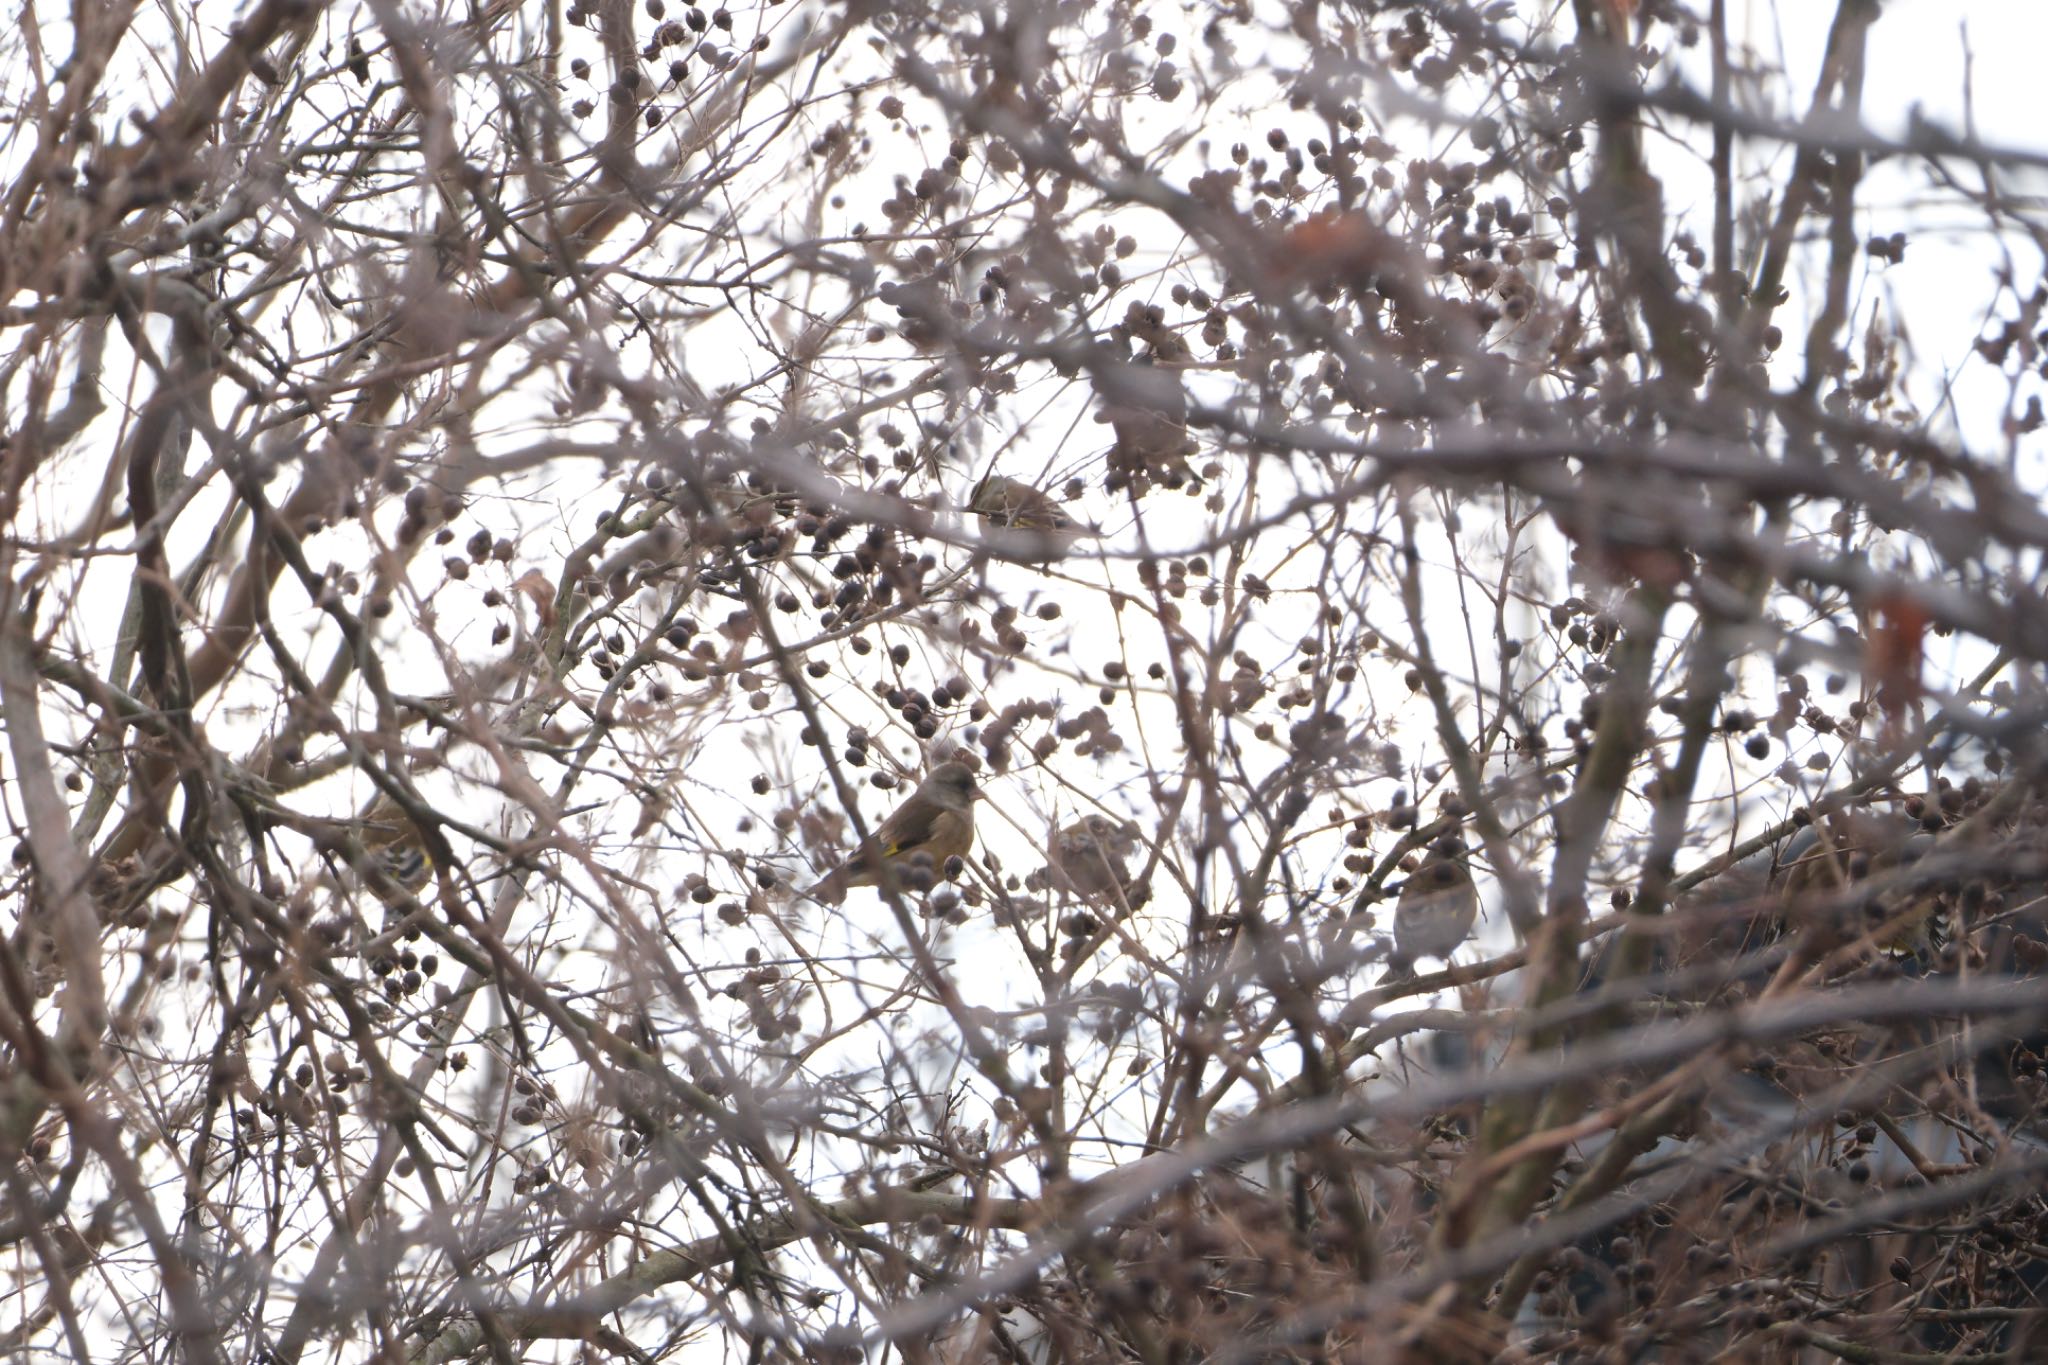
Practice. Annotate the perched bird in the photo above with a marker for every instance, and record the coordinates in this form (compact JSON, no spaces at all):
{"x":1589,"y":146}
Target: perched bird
{"x":1012,"y":502}
{"x":394,"y":848}
{"x":406,"y":864}
{"x":1820,"y":869}
{"x":383,"y":866}
{"x":1091,"y":858}
{"x":935,"y":823}
{"x":1144,"y":402}
{"x":1438,"y":906}
{"x":1147,"y":408}
{"x":1015,"y":505}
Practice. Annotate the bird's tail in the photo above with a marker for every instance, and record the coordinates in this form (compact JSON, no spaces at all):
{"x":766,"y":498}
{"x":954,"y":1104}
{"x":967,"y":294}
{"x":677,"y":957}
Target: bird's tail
{"x":1399,"y":969}
{"x":829,"y":889}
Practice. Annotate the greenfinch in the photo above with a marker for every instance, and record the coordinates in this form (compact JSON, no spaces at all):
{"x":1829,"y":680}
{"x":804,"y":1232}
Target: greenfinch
{"x":394,"y":856}
{"x":1819,"y":866}
{"x":1091,"y":859}
{"x":934,"y":824}
{"x":1144,"y":402}
{"x":1147,"y":408}
{"x":1044,"y":526}
{"x":1012,"y":502}
{"x":406,"y":864}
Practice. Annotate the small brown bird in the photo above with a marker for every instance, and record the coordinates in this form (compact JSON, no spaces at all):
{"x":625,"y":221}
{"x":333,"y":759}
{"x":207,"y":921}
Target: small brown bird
{"x":1143,"y":400}
{"x":1820,"y":869}
{"x":1147,"y":408}
{"x":1091,"y":858}
{"x":1016,"y":506}
{"x":934,"y":824}
{"x":397,"y":859}
{"x":406,"y":864}
{"x":1012,"y":502}
{"x":1438,"y":906}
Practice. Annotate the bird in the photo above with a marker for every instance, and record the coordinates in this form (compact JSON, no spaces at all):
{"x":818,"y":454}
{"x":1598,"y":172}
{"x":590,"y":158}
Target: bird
{"x":407,"y":864}
{"x":1010,"y":502}
{"x":385,"y":864}
{"x":1147,"y":408}
{"x":1821,"y":869}
{"x":1043,"y":525}
{"x":1144,"y":402}
{"x":935,"y":823}
{"x":1437,"y":908}
{"x":1091,"y":858}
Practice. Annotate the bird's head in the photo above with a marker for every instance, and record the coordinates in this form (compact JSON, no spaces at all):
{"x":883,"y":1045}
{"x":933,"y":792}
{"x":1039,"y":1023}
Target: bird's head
{"x":952,"y":785}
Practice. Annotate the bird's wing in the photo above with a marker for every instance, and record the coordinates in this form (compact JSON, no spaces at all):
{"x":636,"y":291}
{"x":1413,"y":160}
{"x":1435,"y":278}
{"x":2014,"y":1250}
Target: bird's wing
{"x":909,"y":827}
